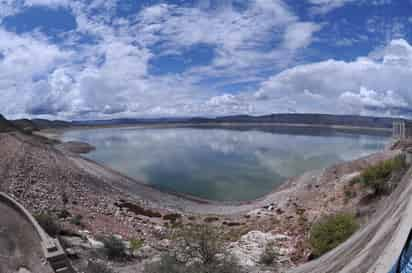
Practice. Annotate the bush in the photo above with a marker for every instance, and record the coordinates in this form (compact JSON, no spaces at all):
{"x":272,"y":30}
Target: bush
{"x":95,"y":267}
{"x":376,"y":177}
{"x":199,"y":249}
{"x":200,"y":242}
{"x":48,"y":223}
{"x":77,"y":220}
{"x":115,"y":248}
{"x":330,"y":232}
{"x":169,"y":264}
{"x":269,"y":255}
{"x":136,"y":244}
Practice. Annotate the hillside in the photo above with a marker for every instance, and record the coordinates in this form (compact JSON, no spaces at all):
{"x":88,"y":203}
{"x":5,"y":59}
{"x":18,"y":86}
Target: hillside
{"x":286,"y":119}
{"x":5,"y":125}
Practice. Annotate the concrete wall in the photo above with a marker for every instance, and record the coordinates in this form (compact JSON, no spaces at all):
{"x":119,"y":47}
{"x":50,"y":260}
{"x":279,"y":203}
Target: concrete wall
{"x":53,"y":251}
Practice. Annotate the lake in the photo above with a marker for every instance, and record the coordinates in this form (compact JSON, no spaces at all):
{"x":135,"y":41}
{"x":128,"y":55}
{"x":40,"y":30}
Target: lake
{"x":222,"y":164}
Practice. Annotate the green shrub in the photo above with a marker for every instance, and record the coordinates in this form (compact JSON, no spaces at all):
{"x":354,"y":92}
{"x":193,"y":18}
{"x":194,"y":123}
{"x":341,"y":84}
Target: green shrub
{"x":63,"y":214}
{"x":169,"y":264}
{"x":115,"y":248}
{"x":376,"y":177}
{"x":136,"y":244}
{"x":77,"y":220}
{"x":202,"y":242}
{"x":48,"y":223}
{"x":199,"y":249}
{"x":331,"y":231}
{"x":269,"y":255}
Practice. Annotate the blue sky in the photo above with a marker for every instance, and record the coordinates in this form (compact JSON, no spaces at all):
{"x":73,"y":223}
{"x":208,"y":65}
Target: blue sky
{"x":78,"y":59}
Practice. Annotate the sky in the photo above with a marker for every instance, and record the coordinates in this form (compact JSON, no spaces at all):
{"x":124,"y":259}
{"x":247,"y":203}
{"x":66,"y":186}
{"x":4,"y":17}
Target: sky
{"x":101,"y":59}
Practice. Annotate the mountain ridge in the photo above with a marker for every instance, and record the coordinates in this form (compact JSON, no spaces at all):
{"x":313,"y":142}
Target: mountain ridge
{"x":29,"y":125}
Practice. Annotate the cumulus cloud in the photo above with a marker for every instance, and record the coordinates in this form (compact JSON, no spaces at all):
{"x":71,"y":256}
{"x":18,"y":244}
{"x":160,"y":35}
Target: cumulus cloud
{"x":379,"y":84}
{"x":109,"y":75}
{"x":102,"y":68}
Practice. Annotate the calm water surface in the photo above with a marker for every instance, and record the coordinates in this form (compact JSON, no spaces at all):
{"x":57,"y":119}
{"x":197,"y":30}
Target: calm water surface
{"x":222,"y":164}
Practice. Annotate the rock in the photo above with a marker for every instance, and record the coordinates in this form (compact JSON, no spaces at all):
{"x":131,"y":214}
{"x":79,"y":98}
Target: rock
{"x":23,"y":270}
{"x":72,"y":253}
{"x":74,"y":242}
{"x":164,"y":244}
{"x":94,"y":243}
{"x":250,"y":247}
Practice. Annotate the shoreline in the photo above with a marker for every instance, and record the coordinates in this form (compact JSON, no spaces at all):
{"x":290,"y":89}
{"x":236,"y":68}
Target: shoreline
{"x":130,"y":182}
{"x":207,"y":206}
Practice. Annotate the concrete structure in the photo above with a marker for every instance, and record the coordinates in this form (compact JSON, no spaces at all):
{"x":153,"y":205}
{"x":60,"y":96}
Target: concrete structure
{"x":37,"y":240}
{"x":402,"y":129}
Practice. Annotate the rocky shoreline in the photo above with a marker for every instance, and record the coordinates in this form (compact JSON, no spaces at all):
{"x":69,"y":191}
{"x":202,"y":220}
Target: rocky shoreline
{"x":45,"y":178}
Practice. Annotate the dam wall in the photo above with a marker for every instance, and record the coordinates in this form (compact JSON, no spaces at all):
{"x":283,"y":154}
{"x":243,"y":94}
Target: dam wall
{"x":52,"y":250}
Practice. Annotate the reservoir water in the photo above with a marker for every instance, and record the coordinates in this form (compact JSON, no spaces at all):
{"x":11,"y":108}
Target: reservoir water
{"x":222,"y":164}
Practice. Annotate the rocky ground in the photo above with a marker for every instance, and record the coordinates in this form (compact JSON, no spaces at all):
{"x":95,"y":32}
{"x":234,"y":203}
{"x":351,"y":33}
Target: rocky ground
{"x":46,"y":179}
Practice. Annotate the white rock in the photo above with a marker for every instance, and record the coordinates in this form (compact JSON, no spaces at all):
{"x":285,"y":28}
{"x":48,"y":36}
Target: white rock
{"x":250,"y":247}
{"x":94,"y":243}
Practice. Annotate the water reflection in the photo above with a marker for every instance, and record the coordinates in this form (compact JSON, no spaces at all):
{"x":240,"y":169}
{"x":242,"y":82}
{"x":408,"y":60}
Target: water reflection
{"x":222,"y":164}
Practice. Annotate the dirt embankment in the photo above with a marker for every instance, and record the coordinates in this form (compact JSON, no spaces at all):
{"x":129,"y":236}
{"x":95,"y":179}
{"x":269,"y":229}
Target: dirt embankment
{"x":44,"y":178}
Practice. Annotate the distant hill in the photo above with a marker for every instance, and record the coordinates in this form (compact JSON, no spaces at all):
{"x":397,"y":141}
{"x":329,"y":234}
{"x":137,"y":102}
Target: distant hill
{"x":282,"y":119}
{"x":125,"y":121}
{"x":25,"y":125}
{"x":50,"y":124}
{"x":307,"y":119}
{"x":5,"y":125}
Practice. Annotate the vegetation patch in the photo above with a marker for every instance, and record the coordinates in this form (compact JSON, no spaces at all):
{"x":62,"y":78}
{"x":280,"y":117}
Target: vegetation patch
{"x":115,"y":248}
{"x":270,"y":254}
{"x":377,"y":177}
{"x":331,"y":231}
{"x":136,"y":244}
{"x":77,"y":220}
{"x":48,"y":223}
{"x":198,"y":248}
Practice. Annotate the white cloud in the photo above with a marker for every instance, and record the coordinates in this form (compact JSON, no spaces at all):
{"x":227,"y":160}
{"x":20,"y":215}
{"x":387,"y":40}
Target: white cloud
{"x":48,"y":3}
{"x":299,"y":35}
{"x":242,"y":39}
{"x":324,"y":6}
{"x":111,"y":75}
{"x":380,"y":85}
